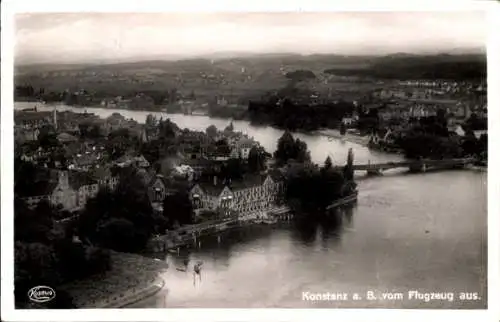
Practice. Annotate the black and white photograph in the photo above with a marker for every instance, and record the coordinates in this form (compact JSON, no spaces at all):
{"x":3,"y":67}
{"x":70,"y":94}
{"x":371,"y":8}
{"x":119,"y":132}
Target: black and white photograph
{"x":249,"y":160}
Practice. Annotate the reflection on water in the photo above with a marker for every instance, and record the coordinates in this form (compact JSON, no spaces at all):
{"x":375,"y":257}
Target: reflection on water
{"x":418,"y":232}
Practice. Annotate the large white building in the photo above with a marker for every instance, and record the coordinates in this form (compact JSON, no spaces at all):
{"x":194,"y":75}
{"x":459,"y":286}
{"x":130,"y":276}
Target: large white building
{"x":249,"y":197}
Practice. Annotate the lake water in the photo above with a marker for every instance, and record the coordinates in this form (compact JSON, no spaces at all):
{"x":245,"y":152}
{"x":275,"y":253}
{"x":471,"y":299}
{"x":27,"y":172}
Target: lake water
{"x":424,"y":232}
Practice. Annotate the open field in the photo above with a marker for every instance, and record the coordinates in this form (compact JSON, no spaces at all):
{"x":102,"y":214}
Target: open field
{"x":248,"y":77}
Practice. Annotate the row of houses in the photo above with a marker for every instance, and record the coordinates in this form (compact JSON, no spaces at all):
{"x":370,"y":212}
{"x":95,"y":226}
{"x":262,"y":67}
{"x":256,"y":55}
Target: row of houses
{"x":252,"y":195}
{"x":70,"y":189}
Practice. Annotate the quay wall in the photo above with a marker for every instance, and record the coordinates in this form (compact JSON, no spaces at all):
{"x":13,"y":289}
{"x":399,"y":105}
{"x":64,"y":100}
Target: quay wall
{"x":174,"y":240}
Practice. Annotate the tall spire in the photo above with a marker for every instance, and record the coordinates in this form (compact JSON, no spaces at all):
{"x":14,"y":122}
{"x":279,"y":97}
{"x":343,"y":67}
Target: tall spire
{"x":55,"y":118}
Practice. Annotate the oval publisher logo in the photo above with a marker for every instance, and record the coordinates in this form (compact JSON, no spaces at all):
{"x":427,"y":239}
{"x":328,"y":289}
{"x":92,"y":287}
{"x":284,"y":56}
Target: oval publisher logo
{"x":41,"y":294}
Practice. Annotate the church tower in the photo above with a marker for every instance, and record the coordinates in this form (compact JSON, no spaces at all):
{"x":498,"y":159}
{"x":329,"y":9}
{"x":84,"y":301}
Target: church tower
{"x":55,"y":118}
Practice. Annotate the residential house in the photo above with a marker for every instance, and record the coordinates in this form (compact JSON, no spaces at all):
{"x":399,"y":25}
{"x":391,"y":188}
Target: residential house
{"x":160,"y":187}
{"x":242,"y":147}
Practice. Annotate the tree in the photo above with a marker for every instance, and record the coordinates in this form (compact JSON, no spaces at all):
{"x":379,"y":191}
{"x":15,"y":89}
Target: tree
{"x":233,"y":169}
{"x":328,"y":163}
{"x":177,"y":208}
{"x":256,"y":160}
{"x":286,"y":147}
{"x":32,"y":225}
{"x":47,"y":138}
{"x":95,"y":132}
{"x":342,"y":128}
{"x":301,"y":152}
{"x":309,"y":190}
{"x":119,"y":141}
{"x":211,"y":131}
{"x":84,"y":129}
{"x":167,"y":129}
{"x":470,"y":145}
{"x":130,"y":203}
{"x":118,"y":234}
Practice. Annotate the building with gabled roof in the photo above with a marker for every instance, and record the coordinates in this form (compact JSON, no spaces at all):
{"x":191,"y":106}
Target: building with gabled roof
{"x":252,"y":196}
{"x":71,"y":189}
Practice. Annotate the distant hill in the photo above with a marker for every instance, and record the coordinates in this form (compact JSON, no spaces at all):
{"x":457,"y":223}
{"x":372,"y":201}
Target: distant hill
{"x":406,"y":66}
{"x":267,"y":72}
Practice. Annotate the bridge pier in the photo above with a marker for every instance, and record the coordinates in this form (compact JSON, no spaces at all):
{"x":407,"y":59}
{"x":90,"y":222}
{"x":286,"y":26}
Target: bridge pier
{"x":414,"y":168}
{"x":374,"y":172}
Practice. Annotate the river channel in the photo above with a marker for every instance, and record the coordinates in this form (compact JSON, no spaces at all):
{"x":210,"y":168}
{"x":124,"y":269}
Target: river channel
{"x":425,"y":232}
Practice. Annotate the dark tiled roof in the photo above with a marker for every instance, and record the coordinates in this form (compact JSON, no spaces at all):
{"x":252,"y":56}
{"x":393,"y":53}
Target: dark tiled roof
{"x":235,"y":185}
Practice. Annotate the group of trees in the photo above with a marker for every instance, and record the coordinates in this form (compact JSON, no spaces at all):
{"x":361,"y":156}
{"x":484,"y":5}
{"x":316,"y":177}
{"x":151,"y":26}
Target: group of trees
{"x":27,"y":91}
{"x":124,"y":220}
{"x":310,"y":188}
{"x":46,"y":254}
{"x":284,"y":113}
{"x":89,"y":131}
{"x":291,"y":149}
{"x":121,"y":219}
{"x":430,"y":138}
{"x":454,"y":67}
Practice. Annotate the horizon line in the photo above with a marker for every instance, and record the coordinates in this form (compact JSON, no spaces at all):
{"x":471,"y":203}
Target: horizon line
{"x":225,"y":55}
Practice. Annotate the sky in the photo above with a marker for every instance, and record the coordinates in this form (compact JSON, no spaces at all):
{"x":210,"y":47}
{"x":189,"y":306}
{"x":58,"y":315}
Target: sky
{"x":83,"y":37}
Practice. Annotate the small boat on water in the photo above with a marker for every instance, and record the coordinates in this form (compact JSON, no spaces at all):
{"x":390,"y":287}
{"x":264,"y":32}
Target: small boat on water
{"x":180,"y":269}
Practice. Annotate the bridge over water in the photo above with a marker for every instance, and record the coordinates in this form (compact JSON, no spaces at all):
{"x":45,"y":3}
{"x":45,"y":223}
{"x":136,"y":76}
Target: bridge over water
{"x":413,"y":165}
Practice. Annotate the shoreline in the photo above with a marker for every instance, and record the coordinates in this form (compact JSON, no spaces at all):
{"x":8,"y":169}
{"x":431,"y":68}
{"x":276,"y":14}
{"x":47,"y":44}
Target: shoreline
{"x":348,"y":137}
{"x":133,"y":298}
{"x":131,"y":279}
